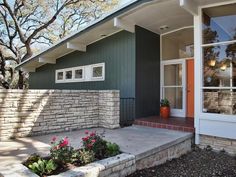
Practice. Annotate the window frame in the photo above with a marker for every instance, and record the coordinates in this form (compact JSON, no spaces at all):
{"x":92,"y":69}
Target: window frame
{"x":66,"y":70}
{"x":206,"y":115}
{"x":101,"y":78}
{"x":56,"y":78}
{"x":83,"y":73}
{"x":87,"y":74}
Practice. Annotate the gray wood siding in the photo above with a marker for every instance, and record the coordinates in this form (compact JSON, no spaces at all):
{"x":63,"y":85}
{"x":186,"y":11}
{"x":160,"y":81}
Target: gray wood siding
{"x":118,"y":53}
{"x":147,"y":73}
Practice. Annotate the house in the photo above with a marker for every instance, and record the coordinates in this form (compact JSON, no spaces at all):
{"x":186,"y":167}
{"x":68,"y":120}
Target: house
{"x":183,"y":50}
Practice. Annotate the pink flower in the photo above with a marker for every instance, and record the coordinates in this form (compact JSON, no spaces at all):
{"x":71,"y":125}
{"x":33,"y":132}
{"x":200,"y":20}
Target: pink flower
{"x":93,"y":141}
{"x":89,"y":146}
{"x":86,"y":132}
{"x":85,"y":138}
{"x":64,"y":143}
{"x":54,"y":138}
{"x":93,"y":134}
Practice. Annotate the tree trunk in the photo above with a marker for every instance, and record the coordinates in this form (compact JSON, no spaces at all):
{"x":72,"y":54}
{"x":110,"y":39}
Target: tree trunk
{"x":21,"y":80}
{"x":3,"y":64}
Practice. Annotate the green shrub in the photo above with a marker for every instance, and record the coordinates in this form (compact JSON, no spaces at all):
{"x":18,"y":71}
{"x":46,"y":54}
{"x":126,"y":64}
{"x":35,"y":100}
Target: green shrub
{"x":31,"y":159}
{"x":165,"y":103}
{"x":95,"y":143}
{"x":112,"y":149}
{"x":86,"y":156}
{"x":43,"y":167}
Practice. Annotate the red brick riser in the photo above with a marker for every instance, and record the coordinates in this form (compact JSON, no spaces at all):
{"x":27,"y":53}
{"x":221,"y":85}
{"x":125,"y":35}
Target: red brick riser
{"x":165,"y":126}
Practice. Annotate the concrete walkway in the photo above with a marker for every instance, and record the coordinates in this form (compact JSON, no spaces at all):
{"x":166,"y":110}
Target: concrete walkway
{"x":135,"y":140}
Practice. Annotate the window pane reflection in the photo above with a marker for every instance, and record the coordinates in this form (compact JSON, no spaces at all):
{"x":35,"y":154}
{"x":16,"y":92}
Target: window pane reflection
{"x":220,"y":65}
{"x":68,"y":74}
{"x":175,"y":96}
{"x":173,"y":75}
{"x":220,"y":101}
{"x":219,"y":24}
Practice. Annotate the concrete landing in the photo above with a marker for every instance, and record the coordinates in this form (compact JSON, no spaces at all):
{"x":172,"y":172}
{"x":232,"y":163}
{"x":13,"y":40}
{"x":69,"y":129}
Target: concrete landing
{"x":137,"y":140}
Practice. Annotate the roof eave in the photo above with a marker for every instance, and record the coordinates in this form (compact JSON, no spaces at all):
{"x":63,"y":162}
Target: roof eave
{"x":92,"y":25}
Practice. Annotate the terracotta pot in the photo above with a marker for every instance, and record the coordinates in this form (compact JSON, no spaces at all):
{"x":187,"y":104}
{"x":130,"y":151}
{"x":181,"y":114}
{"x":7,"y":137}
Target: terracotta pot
{"x":165,"y":112}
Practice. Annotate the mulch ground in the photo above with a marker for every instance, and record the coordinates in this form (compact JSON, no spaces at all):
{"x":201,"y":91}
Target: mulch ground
{"x":197,"y":163}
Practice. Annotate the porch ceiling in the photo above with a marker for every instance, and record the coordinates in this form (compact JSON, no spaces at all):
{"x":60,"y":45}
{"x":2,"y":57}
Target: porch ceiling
{"x":154,"y":15}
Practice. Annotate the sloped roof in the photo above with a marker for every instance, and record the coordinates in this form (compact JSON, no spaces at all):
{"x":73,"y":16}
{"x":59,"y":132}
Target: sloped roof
{"x":85,"y":36}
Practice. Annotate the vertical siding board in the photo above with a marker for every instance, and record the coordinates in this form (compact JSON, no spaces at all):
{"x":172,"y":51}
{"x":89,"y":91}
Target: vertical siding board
{"x":116,"y":51}
{"x":147,"y":86}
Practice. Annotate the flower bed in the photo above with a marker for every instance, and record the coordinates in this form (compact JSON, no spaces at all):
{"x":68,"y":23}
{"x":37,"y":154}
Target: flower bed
{"x":63,"y":157}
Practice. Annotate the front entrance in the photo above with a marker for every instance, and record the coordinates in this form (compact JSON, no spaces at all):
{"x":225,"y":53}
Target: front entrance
{"x":177,"y":71}
{"x":178,"y":86}
{"x":174,"y":85}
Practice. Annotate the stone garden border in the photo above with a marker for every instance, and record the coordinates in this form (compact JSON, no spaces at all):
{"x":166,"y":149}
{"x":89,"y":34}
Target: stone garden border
{"x":120,"y":165}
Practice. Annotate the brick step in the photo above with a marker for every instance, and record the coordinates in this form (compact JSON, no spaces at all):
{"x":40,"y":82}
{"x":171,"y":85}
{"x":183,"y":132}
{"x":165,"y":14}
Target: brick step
{"x":165,"y":126}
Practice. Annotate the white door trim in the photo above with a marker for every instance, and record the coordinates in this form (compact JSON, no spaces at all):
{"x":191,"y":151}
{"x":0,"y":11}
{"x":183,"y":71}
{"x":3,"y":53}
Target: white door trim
{"x":176,"y":112}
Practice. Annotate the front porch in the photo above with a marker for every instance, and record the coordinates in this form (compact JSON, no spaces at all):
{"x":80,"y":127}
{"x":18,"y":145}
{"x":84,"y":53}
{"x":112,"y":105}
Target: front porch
{"x":173,"y":123}
{"x":149,"y":146}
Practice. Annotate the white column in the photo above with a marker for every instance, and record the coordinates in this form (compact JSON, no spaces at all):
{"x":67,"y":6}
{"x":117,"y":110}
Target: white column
{"x":198,"y":76}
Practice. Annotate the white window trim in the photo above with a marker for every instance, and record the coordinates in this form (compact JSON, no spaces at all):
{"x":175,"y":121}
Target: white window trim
{"x":58,"y":80}
{"x":102,"y":78}
{"x":86,"y":74}
{"x":198,"y":55}
{"x":176,"y":112}
{"x":65,"y":70}
{"x":83,"y":73}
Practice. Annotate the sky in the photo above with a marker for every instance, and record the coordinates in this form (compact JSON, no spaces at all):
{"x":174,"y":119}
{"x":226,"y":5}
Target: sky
{"x":124,"y":1}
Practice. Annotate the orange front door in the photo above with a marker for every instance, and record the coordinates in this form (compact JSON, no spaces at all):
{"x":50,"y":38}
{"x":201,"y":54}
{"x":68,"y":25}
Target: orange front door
{"x":190,"y":88}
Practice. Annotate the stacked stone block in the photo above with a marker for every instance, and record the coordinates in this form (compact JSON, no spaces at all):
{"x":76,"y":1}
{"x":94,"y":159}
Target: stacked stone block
{"x":218,"y":144}
{"x":37,"y":112}
{"x":160,"y":156}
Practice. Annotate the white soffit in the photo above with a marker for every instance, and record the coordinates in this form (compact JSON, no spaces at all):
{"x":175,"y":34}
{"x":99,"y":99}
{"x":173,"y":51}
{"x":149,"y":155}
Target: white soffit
{"x":84,"y":39}
{"x":209,"y":2}
{"x":155,"y":15}
{"x":95,"y":34}
{"x":185,"y":35}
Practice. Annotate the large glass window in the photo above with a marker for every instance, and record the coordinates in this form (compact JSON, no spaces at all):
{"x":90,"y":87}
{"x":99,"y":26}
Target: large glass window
{"x":219,"y":24}
{"x":178,"y":44}
{"x":219,"y":59}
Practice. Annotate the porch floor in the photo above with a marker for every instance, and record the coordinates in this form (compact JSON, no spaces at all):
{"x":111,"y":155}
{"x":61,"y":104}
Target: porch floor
{"x":172,"y":123}
{"x":137,"y":140}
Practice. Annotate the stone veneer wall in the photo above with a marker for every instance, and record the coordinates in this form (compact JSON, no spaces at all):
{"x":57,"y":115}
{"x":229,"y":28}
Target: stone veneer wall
{"x":118,"y":166}
{"x":161,"y":156}
{"x":36,"y":112}
{"x":218,"y":144}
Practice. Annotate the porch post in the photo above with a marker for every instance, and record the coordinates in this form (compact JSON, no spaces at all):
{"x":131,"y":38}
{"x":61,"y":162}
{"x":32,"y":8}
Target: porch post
{"x":198,"y":77}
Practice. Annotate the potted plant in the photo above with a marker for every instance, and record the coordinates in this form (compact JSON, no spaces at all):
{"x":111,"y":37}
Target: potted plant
{"x":165,"y":108}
